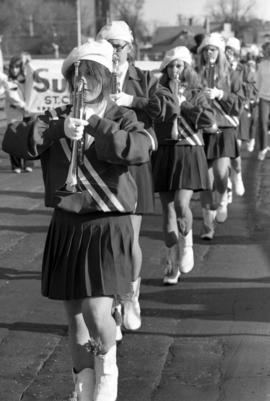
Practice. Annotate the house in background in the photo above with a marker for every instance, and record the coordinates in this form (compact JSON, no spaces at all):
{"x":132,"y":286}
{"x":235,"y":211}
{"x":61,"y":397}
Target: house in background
{"x":167,"y":37}
{"x":188,"y":34}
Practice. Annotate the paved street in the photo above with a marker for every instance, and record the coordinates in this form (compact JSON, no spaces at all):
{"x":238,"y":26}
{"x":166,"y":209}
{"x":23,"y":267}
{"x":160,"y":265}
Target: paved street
{"x":206,"y":339}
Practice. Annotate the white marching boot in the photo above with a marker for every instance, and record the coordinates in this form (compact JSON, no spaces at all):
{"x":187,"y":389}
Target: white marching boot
{"x":186,"y":252}
{"x":170,"y":265}
{"x":106,"y":373}
{"x":84,"y":385}
{"x":222,"y":210}
{"x":229,"y":190}
{"x":238,"y":184}
{"x":208,"y":229}
{"x":117,"y":314}
{"x":131,"y":307}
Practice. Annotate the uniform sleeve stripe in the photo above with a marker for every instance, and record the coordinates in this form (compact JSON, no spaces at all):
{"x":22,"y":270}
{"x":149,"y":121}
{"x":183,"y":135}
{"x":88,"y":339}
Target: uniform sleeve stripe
{"x":153,"y":143}
{"x":102,"y":185}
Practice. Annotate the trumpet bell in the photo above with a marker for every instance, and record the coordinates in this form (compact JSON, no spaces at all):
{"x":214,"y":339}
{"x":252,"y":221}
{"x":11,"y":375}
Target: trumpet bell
{"x":70,"y":188}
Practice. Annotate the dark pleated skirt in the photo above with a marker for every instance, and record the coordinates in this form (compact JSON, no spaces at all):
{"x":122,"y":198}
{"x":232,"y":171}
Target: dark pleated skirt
{"x":180,"y":167}
{"x":244,"y":126}
{"x":223,"y":144}
{"x":142,"y":175}
{"x":87,"y":255}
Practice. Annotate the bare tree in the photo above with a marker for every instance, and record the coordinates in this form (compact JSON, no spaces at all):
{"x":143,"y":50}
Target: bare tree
{"x":236,"y":12}
{"x":130,"y":11}
{"x":231,"y":9}
{"x":52,"y":22}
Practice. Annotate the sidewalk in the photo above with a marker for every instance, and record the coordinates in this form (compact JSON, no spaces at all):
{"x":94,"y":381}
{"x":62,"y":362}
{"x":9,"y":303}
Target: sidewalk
{"x":206,"y":339}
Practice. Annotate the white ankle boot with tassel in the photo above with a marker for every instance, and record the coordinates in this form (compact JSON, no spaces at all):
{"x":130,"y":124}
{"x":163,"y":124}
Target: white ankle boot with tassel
{"x":117,"y":314}
{"x":170,"y":266}
{"x":106,"y":376}
{"x":84,"y":385}
{"x":222,"y":210}
{"x":186,"y":262}
{"x":131,"y":307}
{"x":208,"y":229}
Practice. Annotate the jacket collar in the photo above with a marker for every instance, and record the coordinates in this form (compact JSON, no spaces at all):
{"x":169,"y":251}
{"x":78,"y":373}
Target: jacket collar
{"x":111,"y":108}
{"x":132,"y":73}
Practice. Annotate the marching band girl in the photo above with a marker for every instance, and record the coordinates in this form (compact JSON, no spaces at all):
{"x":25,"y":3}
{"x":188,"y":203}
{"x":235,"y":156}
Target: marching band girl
{"x":263,"y":80}
{"x":87,"y":257}
{"x":251,"y":66}
{"x":179,"y":165}
{"x":226,"y":99}
{"x":135,"y":88}
{"x":237,"y":73}
{"x":16,"y":107}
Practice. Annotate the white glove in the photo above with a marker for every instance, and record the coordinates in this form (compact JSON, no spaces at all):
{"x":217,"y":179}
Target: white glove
{"x":212,"y":130}
{"x":89,"y":112}
{"x":3,"y":77}
{"x":181,"y":99}
{"x":74,"y":128}
{"x":213,"y":93}
{"x":28,"y":111}
{"x":122,"y":99}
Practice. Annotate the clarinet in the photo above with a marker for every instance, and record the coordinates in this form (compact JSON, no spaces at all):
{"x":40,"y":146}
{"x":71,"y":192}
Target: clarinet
{"x":78,"y":107}
{"x":176,"y":88}
{"x":210,"y":78}
{"x":210,"y":75}
{"x":115,"y":71}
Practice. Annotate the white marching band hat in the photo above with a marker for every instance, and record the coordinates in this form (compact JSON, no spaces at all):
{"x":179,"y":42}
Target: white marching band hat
{"x":177,"y":53}
{"x":116,"y":30}
{"x":100,"y":51}
{"x":234,"y":43}
{"x":213,"y":39}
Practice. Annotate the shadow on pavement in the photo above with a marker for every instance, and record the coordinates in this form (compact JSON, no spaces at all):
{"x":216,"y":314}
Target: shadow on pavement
{"x":157,"y":282}
{"x":14,"y":274}
{"x":26,"y":194}
{"x":36,"y":327}
{"x":25,"y":229}
{"x":234,"y":304}
{"x":12,"y":210}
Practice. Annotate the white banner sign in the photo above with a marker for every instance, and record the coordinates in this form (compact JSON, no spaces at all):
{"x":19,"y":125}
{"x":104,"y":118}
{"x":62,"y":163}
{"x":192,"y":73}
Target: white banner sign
{"x":46,"y":87}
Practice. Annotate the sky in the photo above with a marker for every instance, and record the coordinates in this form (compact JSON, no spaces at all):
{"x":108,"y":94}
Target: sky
{"x":166,"y":11}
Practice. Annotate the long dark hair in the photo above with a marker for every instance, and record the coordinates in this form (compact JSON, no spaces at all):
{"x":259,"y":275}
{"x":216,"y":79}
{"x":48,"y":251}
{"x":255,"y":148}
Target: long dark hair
{"x":100,"y":74}
{"x":16,"y":61}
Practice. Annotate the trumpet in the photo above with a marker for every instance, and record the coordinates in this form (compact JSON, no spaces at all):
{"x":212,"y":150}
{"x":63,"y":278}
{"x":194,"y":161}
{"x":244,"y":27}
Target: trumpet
{"x":77,"y":153}
{"x":115,"y":71}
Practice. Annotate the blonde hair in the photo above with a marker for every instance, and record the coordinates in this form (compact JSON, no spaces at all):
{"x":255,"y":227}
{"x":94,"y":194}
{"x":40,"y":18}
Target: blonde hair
{"x":222,"y":72}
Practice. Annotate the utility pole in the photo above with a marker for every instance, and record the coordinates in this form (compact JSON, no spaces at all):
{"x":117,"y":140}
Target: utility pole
{"x":31,"y":25}
{"x":1,"y":55}
{"x":207,"y":24}
{"x":103,"y":13}
{"x":79,"y":25}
